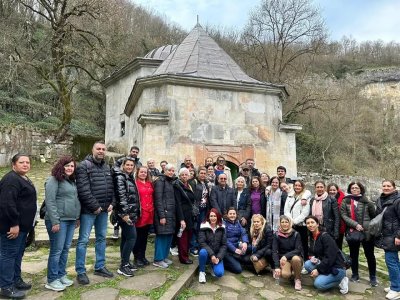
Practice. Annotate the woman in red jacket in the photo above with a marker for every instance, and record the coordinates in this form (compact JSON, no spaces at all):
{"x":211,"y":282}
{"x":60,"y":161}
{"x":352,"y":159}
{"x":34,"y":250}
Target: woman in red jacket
{"x":145,"y":188}
{"x":334,"y":191}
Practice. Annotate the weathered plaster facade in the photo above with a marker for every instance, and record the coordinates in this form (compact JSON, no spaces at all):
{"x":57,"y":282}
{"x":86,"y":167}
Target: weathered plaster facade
{"x":198,"y":102}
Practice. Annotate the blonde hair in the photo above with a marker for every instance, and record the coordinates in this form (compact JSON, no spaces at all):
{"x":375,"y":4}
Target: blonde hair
{"x":263,"y":223}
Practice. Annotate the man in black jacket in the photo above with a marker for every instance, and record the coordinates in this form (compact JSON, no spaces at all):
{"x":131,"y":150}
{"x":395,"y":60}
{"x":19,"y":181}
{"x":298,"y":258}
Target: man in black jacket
{"x":222,"y":196}
{"x":96,"y":194}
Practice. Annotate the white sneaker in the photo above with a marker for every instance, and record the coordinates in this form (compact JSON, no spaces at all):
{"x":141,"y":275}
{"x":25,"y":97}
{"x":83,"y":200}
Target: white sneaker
{"x":393,"y":295}
{"x":174,"y":251}
{"x":168,"y":261}
{"x":160,"y":264}
{"x":57,"y":286}
{"x":304,"y":271}
{"x":66,"y":281}
{"x":387,"y":290}
{"x":202,"y":277}
{"x":344,"y":285}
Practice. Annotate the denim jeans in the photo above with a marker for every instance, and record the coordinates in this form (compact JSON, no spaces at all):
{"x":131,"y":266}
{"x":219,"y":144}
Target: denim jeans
{"x":204,"y":259}
{"x":325,"y":282}
{"x":128,"y":240}
{"x":393,"y":265}
{"x":100,"y":228}
{"x":232,"y":263}
{"x":161,"y":246}
{"x":60,"y":243}
{"x":11,"y":252}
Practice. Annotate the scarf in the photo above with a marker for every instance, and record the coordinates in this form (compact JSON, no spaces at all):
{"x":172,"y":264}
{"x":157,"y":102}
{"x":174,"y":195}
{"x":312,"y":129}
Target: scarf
{"x":256,"y":238}
{"x":317,"y":207}
{"x":273,"y":208}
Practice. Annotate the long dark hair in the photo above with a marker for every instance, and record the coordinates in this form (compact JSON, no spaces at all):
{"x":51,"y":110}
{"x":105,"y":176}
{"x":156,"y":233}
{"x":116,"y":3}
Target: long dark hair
{"x":58,"y":170}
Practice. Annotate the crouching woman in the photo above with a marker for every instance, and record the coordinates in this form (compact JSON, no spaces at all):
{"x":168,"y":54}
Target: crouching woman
{"x":212,"y":241}
{"x":327,"y":265}
{"x":287,"y":252}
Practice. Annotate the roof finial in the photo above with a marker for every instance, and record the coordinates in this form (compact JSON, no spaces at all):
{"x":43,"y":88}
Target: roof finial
{"x":198,"y":20}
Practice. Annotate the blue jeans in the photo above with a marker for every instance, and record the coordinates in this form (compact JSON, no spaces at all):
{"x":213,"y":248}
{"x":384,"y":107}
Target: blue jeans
{"x":232,"y":263}
{"x":325,"y":282}
{"x":393,"y":265}
{"x":100,"y":228}
{"x":128,"y":240}
{"x":11,"y":252}
{"x":205,"y":259}
{"x":60,"y":243}
{"x":161,"y":246}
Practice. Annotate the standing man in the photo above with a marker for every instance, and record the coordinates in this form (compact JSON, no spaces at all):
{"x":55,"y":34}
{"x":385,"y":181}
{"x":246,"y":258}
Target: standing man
{"x":221,"y":168}
{"x":281,"y":172}
{"x":154,"y":172}
{"x":187,"y":163}
{"x":163,"y":163}
{"x":96,"y":194}
{"x":133,"y":153}
{"x":250,"y":163}
{"x":222,"y":196}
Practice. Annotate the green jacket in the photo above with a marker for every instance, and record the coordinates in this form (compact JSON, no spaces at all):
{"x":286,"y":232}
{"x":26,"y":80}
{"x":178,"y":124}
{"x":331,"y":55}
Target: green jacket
{"x":62,"y":202}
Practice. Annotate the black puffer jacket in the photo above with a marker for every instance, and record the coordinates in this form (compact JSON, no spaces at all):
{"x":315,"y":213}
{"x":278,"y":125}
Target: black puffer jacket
{"x":185,"y":199}
{"x":95,"y":185}
{"x":363,"y":205}
{"x":17,"y":203}
{"x":286,"y":246}
{"x":222,"y":198}
{"x":213,"y":242}
{"x":325,"y":249}
{"x":391,"y":221}
{"x":165,"y":205}
{"x":126,"y":195}
{"x":331,"y":215}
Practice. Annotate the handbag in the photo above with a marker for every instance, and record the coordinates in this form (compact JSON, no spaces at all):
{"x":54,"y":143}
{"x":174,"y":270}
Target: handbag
{"x":353,"y":235}
{"x":375,"y":225}
{"x":42,"y":211}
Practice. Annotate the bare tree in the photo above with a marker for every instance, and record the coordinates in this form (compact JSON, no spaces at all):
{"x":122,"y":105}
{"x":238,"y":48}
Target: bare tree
{"x":71,"y":47}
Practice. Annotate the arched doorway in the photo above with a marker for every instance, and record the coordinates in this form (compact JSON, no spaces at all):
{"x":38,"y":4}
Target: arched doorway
{"x":234,"y":169}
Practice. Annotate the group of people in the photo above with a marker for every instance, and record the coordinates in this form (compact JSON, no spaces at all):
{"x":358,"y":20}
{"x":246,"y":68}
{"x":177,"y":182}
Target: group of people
{"x":255,"y":221}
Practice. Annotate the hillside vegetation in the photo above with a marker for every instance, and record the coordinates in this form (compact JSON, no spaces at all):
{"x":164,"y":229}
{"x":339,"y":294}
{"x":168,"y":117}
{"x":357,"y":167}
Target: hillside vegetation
{"x":53,"y":59}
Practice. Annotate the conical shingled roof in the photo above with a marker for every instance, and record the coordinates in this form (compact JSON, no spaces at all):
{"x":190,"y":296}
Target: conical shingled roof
{"x":200,"y":56}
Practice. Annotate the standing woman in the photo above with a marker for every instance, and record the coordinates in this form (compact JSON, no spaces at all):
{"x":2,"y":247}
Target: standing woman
{"x":127,"y":209}
{"x":357,"y":211}
{"x":390,"y":238}
{"x":166,"y":214}
{"x":334,"y":191}
{"x":145,"y":220}
{"x":325,"y":208}
{"x":185,"y":201}
{"x":275,"y":203}
{"x":17,"y":213}
{"x":265,"y":179}
{"x":326,"y":266}
{"x":210,"y":177}
{"x":287,"y":252}
{"x":297,"y":207}
{"x":243,"y":201}
{"x":212,"y":241}
{"x":260,"y":254}
{"x":257,"y":197}
{"x":62,"y":217}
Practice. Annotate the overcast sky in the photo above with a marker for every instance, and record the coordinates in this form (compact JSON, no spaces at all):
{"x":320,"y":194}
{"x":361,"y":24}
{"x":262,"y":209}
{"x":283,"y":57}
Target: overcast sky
{"x":361,"y":19}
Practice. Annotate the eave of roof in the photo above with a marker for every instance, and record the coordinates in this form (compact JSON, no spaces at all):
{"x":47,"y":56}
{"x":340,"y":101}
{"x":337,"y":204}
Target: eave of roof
{"x":182,"y":80}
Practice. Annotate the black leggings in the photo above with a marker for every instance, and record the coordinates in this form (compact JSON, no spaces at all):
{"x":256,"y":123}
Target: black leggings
{"x":139,"y":250}
{"x":369,"y":254}
{"x":302,"y":230}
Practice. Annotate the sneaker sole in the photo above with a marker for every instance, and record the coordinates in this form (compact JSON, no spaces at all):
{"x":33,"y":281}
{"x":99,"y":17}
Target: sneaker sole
{"x":67,"y":284}
{"x":159,"y":266}
{"x":122,"y":273}
{"x":49,"y":287}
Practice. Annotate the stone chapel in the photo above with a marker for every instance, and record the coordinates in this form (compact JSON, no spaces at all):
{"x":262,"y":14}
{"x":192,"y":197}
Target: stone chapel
{"x":193,"y":99}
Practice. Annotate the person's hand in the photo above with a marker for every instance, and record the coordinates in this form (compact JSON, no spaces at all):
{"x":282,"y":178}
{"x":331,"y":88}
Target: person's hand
{"x":97,"y":211}
{"x":243,"y":221}
{"x":253,"y":258}
{"x":244,"y":247}
{"x":314,"y":260}
{"x":127,"y":220}
{"x":55,"y":228}
{"x":183,"y":225}
{"x":397,"y":242}
{"x":303,"y":202}
{"x":214,"y":260}
{"x":163,"y":221}
{"x":283,"y":261}
{"x":359,"y":227}
{"x":110,"y":207}
{"x":314,"y":273}
{"x":77,"y":223}
{"x":238,"y":251}
{"x":277,"y":273}
{"x":13,"y":233}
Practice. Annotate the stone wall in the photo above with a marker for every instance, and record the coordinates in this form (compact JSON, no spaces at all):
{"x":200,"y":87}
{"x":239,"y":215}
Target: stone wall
{"x":372,"y":185}
{"x":38,"y":145}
